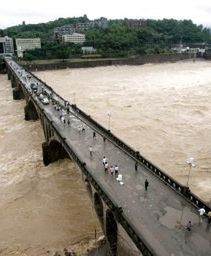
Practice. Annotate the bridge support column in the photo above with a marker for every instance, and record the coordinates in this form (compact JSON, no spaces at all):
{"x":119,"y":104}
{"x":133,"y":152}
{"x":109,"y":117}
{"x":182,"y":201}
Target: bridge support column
{"x":52,"y":152}
{"x":30,"y":111}
{"x":13,"y":82}
{"x":8,"y":74}
{"x":111,"y":231}
{"x":17,"y":93}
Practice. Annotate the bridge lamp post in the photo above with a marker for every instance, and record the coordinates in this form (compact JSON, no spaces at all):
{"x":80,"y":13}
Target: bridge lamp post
{"x":109,"y":119}
{"x":191,"y":164}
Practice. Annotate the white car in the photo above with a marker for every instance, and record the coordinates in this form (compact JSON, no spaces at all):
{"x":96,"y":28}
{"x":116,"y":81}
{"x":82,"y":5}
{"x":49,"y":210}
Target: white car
{"x":45,"y":101}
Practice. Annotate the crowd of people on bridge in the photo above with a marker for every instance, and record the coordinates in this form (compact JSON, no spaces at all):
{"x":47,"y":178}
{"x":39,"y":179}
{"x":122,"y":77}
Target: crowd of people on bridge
{"x":113,"y":169}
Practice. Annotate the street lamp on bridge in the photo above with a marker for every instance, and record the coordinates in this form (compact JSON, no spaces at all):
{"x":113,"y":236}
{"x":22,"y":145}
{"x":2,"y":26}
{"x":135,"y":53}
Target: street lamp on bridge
{"x":109,"y":119}
{"x":191,"y":164}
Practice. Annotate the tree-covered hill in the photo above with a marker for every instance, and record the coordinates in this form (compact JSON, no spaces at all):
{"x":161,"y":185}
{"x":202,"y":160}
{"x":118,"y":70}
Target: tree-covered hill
{"x":42,"y":30}
{"x":118,"y":39}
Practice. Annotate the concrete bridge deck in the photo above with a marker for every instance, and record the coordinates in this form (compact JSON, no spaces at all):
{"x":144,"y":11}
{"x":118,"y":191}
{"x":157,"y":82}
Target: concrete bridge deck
{"x":159,"y":214}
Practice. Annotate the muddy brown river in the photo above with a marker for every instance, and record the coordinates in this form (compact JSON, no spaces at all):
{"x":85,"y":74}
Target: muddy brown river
{"x":161,"y":110}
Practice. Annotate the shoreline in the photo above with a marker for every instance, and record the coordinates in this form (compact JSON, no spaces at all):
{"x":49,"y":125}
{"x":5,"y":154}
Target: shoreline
{"x":41,"y":65}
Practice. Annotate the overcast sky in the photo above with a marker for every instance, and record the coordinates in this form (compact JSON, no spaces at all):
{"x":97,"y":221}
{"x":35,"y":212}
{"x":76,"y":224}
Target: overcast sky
{"x":14,"y":12}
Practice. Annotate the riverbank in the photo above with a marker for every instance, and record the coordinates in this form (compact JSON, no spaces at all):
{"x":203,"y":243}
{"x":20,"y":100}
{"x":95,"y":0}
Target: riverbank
{"x":41,"y":65}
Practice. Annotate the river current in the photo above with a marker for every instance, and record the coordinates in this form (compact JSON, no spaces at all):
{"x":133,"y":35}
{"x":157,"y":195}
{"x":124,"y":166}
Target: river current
{"x":161,"y":110}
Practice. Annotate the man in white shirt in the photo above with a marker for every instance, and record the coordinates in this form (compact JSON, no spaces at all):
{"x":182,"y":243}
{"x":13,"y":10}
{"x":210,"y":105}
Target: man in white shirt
{"x":104,"y":160}
{"x":201,"y":213}
{"x":90,"y":151}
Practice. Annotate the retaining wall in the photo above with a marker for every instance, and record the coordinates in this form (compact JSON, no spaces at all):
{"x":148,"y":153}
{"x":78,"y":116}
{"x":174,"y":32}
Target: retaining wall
{"x":143,"y":59}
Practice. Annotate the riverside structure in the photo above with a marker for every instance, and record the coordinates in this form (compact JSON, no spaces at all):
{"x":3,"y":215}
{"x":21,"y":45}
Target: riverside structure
{"x":147,"y":217}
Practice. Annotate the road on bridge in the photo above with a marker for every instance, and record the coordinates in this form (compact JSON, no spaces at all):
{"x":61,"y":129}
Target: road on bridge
{"x":159,"y":213}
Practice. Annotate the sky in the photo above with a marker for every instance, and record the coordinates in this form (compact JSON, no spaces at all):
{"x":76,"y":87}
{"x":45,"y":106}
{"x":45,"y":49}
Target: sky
{"x":37,"y":11}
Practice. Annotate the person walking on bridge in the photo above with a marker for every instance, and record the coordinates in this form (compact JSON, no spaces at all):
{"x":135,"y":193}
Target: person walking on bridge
{"x":104,"y":160}
{"x":201,"y":213}
{"x":136,"y":166}
{"x":146,"y":184}
{"x":209,"y":216}
{"x":91,"y":151}
{"x":189,"y":226}
{"x":111,"y":170}
{"x":116,"y":169}
{"x":106,"y":167}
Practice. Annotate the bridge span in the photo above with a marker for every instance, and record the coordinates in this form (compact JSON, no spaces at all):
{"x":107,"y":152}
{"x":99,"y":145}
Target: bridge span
{"x":155,"y":220}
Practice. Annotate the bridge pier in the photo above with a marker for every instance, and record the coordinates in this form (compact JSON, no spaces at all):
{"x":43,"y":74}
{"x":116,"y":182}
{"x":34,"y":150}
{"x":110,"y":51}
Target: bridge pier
{"x":30,"y":111}
{"x":98,"y":204}
{"x":53,"y":151}
{"x":17,"y":94}
{"x":111,"y":231}
{"x":13,"y":82}
{"x":8,"y":74}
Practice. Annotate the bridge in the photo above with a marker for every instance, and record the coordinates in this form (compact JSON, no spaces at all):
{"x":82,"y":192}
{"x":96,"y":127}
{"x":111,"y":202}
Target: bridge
{"x":154,"y":220}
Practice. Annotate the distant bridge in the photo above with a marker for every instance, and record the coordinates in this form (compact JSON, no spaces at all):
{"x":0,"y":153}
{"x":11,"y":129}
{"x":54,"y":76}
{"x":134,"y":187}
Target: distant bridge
{"x":153,"y":220}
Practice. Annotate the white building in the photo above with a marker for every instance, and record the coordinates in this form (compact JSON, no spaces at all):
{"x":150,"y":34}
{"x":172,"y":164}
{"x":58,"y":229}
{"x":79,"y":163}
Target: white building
{"x":23,"y":44}
{"x":88,"y":50}
{"x":75,"y":38}
{"x":6,"y":46}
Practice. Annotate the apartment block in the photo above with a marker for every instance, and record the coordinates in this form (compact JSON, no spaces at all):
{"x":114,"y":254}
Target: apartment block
{"x":75,"y":38}
{"x":6,"y":46}
{"x":23,"y":44}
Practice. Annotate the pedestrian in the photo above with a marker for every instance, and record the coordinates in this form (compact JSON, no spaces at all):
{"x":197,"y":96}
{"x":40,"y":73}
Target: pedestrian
{"x":106,"y":167}
{"x":104,"y":160}
{"x":189,"y":226}
{"x":83,"y":129}
{"x":201,"y":213}
{"x":111,"y":170}
{"x":146,"y":184}
{"x":209,"y":216}
{"x":68,"y":122}
{"x":63,"y":119}
{"x":116,"y":169}
{"x":104,"y":139}
{"x":136,"y":166}
{"x":94,"y":135}
{"x":90,"y":151}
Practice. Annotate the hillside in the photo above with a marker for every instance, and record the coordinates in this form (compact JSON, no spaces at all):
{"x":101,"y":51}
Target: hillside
{"x":118,"y":39}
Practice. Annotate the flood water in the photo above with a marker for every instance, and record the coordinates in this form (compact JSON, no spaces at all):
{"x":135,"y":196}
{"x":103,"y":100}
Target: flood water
{"x":42,"y":209}
{"x":161,"y":110}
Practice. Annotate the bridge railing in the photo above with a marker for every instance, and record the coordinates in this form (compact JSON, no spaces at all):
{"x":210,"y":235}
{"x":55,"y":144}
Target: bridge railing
{"x":167,"y":179}
{"x":171,"y":182}
{"x":135,"y":235}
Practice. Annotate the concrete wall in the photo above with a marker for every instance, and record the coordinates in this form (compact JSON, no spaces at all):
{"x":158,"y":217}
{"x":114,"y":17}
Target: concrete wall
{"x":157,"y":58}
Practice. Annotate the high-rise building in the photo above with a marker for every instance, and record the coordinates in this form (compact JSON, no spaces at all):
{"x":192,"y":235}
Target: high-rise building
{"x":6,"y":46}
{"x":23,"y":44}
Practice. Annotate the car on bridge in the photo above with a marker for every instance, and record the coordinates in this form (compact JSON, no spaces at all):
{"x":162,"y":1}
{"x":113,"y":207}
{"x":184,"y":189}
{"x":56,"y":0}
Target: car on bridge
{"x":45,"y":100}
{"x":34,"y":87}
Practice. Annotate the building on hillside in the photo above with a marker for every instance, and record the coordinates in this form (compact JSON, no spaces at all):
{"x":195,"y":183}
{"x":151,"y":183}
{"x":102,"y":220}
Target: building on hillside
{"x":88,"y":50}
{"x":6,"y":46}
{"x":78,"y":27}
{"x":23,"y":44}
{"x":135,"y":24}
{"x":75,"y":38}
{"x":64,"y":30}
